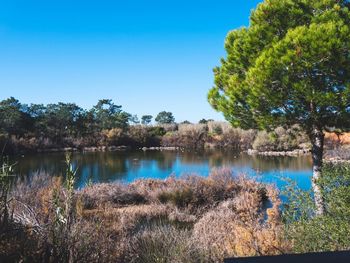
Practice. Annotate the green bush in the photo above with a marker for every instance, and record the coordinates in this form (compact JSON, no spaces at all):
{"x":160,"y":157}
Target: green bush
{"x":329,"y":232}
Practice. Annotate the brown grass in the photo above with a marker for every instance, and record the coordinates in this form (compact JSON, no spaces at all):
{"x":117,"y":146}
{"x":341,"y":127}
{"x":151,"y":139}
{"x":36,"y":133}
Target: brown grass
{"x":343,"y":139}
{"x":172,"y":220}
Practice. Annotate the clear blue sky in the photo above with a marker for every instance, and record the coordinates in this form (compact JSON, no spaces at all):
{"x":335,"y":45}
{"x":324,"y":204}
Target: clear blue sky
{"x":147,"y":56}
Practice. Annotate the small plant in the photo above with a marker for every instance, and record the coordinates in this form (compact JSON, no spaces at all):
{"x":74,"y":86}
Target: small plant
{"x":64,"y":216}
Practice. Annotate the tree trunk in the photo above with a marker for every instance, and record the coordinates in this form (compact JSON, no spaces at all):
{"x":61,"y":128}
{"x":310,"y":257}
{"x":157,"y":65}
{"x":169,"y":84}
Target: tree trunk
{"x":317,"y":141}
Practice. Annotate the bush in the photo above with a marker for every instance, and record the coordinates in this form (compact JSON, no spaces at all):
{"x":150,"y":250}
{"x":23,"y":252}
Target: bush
{"x":329,"y":232}
{"x":236,"y":138}
{"x":144,"y":136}
{"x":215,"y":127}
{"x":164,"y":243}
{"x":281,"y":139}
{"x":179,"y":198}
{"x":114,"y":136}
{"x":188,"y":136}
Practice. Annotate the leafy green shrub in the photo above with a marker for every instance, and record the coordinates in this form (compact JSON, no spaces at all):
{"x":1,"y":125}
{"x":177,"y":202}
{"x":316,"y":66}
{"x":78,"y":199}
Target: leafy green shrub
{"x":329,"y":232}
{"x":157,"y":131}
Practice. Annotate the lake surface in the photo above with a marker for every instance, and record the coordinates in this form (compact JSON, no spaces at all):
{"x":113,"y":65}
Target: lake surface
{"x":131,"y":165}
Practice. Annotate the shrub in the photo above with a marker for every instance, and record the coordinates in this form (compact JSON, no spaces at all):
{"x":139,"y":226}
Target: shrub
{"x":170,"y":127}
{"x":179,"y":198}
{"x":110,"y":195}
{"x":264,"y":141}
{"x":164,"y":243}
{"x":281,"y":139}
{"x":188,"y":136}
{"x":236,"y":138}
{"x":215,"y":127}
{"x":157,"y":131}
{"x":114,"y":136}
{"x":329,"y":232}
{"x":237,"y":228}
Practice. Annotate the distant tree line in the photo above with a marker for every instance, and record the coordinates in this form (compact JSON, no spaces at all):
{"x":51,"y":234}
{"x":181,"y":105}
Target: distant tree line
{"x":60,"y":120}
{"x":38,"y":127}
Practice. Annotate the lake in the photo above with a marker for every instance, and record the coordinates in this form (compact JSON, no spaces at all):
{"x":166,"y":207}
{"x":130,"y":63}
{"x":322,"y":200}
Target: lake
{"x":127,"y":166}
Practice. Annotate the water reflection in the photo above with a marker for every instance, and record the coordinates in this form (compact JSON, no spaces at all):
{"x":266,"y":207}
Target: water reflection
{"x":128,"y":166}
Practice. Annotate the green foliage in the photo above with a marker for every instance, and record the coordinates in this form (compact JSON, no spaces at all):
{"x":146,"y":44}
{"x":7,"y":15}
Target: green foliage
{"x":158,"y":131}
{"x":203,"y":121}
{"x":185,"y":122}
{"x":330,"y":231}
{"x":146,"y":119}
{"x":217,"y":129}
{"x":65,"y":217}
{"x":134,"y":119}
{"x":60,"y":122}
{"x":108,"y":115}
{"x":144,"y":136}
{"x":290,"y":66}
{"x":13,"y":118}
{"x":165,"y":117}
{"x":335,"y":184}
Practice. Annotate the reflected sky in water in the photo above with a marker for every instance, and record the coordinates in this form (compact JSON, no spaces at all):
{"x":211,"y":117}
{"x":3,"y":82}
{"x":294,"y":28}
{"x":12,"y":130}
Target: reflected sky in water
{"x":131,"y":165}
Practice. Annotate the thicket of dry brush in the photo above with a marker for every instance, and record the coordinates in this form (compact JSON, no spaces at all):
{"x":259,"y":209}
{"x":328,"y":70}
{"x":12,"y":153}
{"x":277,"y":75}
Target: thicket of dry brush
{"x":187,"y":219}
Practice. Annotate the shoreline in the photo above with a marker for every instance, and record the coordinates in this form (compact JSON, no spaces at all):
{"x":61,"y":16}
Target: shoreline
{"x":294,"y":153}
{"x":250,"y":152}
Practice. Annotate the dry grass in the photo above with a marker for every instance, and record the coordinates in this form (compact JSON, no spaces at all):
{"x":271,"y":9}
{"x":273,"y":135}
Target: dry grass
{"x":172,"y":220}
{"x":343,"y":139}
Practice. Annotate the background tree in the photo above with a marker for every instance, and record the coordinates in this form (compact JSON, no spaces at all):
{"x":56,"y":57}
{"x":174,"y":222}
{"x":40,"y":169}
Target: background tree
{"x":109,"y":115}
{"x":186,"y":122}
{"x":290,"y":66}
{"x":13,"y":118}
{"x":203,"y":121}
{"x":134,"y":119}
{"x":165,"y":117}
{"x":146,"y":119}
{"x":63,"y":120}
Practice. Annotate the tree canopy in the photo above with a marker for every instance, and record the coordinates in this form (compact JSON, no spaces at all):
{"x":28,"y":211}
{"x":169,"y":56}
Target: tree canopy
{"x":60,"y":120}
{"x":290,"y":66}
{"x":146,"y":119}
{"x":165,"y":117}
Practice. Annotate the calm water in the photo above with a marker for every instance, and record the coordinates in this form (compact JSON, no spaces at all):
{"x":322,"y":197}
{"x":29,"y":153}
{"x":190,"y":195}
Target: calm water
{"x":129,"y":166}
